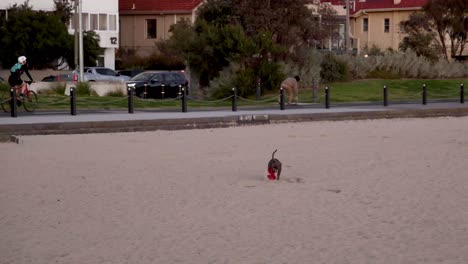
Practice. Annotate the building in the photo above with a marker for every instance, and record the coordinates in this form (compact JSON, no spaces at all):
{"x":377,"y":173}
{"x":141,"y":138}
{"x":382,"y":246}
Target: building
{"x":336,"y":44}
{"x":377,"y":22}
{"x":143,"y":22}
{"x":100,"y":16}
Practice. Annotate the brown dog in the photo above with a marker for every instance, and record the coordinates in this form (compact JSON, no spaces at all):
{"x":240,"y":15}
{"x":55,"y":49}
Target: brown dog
{"x":274,"y":166}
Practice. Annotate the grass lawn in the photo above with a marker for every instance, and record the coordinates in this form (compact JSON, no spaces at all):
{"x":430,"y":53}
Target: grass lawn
{"x":369,"y":90}
{"x":399,"y":89}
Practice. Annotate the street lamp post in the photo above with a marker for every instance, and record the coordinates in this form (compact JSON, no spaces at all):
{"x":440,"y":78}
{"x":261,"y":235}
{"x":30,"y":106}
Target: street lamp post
{"x":80,"y":19}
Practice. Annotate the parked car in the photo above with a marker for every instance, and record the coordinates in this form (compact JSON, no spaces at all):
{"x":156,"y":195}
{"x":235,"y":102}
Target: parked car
{"x":159,"y":84}
{"x":59,"y":78}
{"x":93,"y":74}
{"x":130,"y":73}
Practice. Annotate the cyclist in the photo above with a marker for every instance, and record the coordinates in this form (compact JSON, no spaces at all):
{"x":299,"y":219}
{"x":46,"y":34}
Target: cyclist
{"x":16,"y":71}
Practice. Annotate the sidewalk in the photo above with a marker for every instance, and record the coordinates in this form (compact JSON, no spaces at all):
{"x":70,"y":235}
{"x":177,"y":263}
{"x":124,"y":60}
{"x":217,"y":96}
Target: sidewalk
{"x":145,"y":120}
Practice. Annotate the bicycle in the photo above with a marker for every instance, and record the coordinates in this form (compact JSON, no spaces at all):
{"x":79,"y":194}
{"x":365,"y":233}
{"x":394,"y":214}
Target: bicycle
{"x":28,"y":100}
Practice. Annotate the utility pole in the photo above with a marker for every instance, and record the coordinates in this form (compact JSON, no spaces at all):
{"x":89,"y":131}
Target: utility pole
{"x":347,"y":42}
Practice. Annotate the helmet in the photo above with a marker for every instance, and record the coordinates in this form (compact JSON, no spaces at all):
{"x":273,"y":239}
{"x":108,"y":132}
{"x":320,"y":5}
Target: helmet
{"x":21,"y":59}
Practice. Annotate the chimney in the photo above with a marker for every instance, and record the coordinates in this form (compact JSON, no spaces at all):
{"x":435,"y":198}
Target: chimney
{"x":396,"y":2}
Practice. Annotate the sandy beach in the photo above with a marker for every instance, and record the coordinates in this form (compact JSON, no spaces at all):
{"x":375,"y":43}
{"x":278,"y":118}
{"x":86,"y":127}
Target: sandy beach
{"x":371,"y":191}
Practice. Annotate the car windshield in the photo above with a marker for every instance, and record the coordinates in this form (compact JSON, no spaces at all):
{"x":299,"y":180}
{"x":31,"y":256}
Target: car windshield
{"x":143,"y":77}
{"x":105,"y":71}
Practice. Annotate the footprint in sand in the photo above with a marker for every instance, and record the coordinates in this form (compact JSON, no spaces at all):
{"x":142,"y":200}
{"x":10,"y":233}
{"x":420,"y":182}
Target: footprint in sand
{"x":295,"y":180}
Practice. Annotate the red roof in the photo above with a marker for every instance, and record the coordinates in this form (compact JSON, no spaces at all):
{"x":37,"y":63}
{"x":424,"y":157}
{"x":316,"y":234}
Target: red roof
{"x":158,"y":5}
{"x":379,"y":4}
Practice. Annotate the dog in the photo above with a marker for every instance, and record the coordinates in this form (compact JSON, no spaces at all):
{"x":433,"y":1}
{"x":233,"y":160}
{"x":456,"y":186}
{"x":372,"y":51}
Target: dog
{"x":274,"y":166}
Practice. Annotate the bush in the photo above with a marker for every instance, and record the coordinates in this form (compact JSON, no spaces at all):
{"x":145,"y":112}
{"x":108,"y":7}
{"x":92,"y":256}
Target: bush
{"x":246,"y":80}
{"x":116,"y":93}
{"x":230,"y":77}
{"x":84,"y":89}
{"x":407,"y":64}
{"x":308,"y":69}
{"x":382,"y":74}
{"x":4,"y":86}
{"x":156,"y":61}
{"x":221,"y":86}
{"x":333,"y":69}
{"x":56,"y":88}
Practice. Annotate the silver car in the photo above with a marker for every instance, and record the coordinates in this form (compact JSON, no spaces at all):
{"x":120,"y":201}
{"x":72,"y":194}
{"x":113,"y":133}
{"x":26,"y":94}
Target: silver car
{"x":93,"y":74}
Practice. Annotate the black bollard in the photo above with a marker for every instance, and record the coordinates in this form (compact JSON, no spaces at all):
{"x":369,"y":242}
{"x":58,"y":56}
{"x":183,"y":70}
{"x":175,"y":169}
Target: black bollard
{"x":184,"y":101}
{"x":281,"y":98}
{"x":424,"y":95}
{"x":462,"y":94}
{"x":72,"y":101}
{"x":327,"y":97}
{"x":385,"y":96}
{"x":162,"y":91}
{"x":234,"y":99}
{"x":145,"y":93}
{"x":13,"y":106}
{"x":130,"y":100}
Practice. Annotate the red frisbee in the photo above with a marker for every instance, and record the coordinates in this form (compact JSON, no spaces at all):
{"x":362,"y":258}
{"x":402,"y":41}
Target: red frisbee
{"x":271,"y":174}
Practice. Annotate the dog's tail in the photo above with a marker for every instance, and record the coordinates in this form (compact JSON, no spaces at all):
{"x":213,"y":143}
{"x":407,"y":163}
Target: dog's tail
{"x":273,"y":155}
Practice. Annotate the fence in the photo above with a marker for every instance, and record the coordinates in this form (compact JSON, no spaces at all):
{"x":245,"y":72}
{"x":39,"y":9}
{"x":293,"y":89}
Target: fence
{"x":234,"y":99}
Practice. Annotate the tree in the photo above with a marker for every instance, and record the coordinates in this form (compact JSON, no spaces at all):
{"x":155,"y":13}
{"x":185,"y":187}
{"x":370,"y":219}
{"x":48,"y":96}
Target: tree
{"x":42,"y":36}
{"x":63,"y":9}
{"x":39,"y":35}
{"x":420,"y":37}
{"x":251,"y":36}
{"x":442,"y":26}
{"x":290,"y":23}
{"x":447,"y":18}
{"x":91,"y":48}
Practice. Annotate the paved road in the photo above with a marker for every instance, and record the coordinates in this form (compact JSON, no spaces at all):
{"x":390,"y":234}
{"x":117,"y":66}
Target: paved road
{"x":62,"y":122}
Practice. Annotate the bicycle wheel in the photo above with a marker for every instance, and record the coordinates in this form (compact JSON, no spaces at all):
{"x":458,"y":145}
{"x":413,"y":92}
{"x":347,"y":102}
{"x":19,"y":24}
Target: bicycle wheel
{"x":5,"y":101}
{"x":30,"y":101}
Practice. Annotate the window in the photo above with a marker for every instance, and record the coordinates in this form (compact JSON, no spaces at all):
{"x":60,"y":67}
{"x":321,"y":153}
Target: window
{"x":74,"y":23}
{"x":112,"y":22}
{"x":387,"y":25}
{"x":102,"y":21}
{"x":151,"y":28}
{"x":3,"y":15}
{"x":169,"y":77}
{"x":105,"y":71}
{"x":365,"y":24}
{"x":156,"y":78}
{"x":94,"y":22}
{"x":85,"y":21}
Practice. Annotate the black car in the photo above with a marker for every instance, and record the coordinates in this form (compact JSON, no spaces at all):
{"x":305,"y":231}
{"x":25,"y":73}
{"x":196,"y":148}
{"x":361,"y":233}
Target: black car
{"x":130,"y":73}
{"x":159,"y":84}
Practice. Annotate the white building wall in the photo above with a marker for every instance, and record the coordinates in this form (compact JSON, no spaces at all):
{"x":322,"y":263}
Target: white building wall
{"x":108,"y":38}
